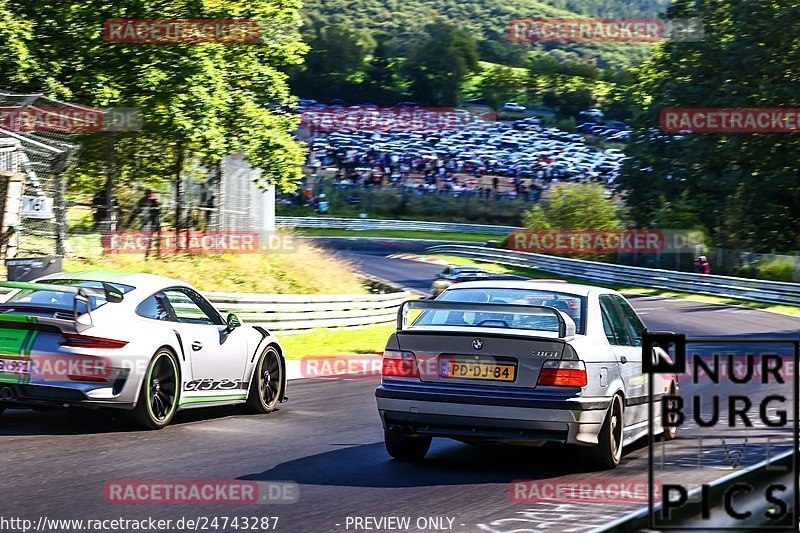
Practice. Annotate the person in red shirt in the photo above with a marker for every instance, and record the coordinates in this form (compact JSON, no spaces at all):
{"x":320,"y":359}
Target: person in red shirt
{"x":702,"y":266}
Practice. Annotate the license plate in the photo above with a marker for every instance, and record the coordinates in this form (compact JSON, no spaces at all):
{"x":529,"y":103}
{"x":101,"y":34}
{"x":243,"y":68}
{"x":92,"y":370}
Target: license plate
{"x":487,"y":371}
{"x":15,"y":366}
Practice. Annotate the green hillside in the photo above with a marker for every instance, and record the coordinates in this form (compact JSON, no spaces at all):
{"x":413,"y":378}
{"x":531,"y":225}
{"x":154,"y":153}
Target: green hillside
{"x":487,"y":21}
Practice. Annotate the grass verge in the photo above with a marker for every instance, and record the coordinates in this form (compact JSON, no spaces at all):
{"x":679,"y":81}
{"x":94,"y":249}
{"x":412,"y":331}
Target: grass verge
{"x":397,"y":234}
{"x":329,"y":342}
{"x":537,"y":274}
{"x":305,"y":269}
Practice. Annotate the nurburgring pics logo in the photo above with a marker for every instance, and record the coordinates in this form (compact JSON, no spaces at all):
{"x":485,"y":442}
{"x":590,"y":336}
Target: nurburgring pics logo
{"x":388,"y":119}
{"x":586,"y":30}
{"x":730,"y":120}
{"x":181,"y":31}
{"x":587,"y":241}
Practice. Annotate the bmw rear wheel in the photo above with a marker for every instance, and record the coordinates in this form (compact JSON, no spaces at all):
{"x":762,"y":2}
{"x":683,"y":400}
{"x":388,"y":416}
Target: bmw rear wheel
{"x":266,"y":387}
{"x":158,"y":398}
{"x":406,"y":447}
{"x":608,"y":452}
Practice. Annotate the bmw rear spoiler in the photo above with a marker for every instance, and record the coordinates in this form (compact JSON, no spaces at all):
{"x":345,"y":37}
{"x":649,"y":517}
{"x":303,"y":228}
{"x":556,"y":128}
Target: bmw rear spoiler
{"x":566,"y":326}
{"x":80,"y":320}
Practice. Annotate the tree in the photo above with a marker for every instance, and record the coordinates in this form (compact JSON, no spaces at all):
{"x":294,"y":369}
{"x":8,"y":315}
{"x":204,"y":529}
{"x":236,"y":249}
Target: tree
{"x":743,"y":187}
{"x":440,"y":63}
{"x":199,"y":102}
{"x":338,"y":52}
{"x":501,"y":84}
{"x":382,"y":69}
{"x":576,"y":206}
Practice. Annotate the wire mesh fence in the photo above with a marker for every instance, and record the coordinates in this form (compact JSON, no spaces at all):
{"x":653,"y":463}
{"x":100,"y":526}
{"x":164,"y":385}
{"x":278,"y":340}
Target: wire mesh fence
{"x":40,"y":138}
{"x":36,"y":133}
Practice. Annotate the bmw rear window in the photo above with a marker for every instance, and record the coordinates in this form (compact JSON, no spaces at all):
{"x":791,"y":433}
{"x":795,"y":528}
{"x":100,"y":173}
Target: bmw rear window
{"x":570,"y":304}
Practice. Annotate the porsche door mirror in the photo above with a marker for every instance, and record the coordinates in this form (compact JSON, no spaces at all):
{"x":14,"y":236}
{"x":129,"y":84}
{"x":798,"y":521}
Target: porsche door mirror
{"x":233,"y":322}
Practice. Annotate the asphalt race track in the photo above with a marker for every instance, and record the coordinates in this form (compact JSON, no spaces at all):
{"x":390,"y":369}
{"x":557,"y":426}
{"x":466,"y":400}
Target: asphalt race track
{"x":328,"y":439}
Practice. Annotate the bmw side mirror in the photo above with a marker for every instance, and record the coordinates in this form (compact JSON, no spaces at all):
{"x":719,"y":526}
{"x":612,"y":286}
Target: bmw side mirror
{"x":233,"y":322}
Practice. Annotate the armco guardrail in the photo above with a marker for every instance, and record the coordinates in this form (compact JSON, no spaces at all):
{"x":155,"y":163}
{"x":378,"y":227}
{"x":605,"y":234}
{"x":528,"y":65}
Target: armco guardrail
{"x":364,"y":224}
{"x":774,"y":292}
{"x":297,"y":312}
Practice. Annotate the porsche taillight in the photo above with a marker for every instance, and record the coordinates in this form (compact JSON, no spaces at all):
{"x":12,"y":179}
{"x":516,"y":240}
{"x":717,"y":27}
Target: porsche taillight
{"x":72,"y":340}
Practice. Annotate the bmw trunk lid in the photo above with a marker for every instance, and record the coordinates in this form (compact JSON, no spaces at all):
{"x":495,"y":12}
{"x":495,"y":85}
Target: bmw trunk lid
{"x":483,"y":344}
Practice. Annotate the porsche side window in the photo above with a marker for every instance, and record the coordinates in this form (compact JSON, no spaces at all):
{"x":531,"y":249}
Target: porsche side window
{"x":618,"y":324}
{"x":155,"y":308}
{"x":187,"y":309}
{"x":637,"y":328}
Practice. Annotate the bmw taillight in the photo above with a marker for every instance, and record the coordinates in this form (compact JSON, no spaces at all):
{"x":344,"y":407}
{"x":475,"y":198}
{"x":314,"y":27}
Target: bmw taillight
{"x":397,"y":364}
{"x":557,"y":373}
{"x":72,"y":340}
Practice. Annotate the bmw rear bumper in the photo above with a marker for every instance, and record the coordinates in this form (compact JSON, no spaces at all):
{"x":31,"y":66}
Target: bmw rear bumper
{"x":478,"y":417}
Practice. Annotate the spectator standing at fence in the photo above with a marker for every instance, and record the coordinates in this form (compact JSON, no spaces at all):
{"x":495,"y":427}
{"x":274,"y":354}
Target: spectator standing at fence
{"x":702,"y":266}
{"x":148,"y":209}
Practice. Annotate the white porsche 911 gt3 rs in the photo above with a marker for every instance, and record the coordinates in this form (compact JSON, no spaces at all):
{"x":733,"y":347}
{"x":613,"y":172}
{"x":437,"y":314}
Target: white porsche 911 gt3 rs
{"x":521,"y":362}
{"x":145,"y":343}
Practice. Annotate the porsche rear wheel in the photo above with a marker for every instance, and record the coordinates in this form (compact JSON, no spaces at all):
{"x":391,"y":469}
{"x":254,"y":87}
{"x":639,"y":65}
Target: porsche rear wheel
{"x":160,"y":392}
{"x":266,"y":387}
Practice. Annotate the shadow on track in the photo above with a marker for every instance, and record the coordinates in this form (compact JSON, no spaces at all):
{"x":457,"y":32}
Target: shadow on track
{"x":448,"y":463}
{"x":78,"y":421}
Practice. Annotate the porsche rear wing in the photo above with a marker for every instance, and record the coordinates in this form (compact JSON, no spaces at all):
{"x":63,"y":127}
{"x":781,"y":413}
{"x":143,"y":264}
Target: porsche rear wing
{"x":79,"y":321}
{"x":566,"y":326}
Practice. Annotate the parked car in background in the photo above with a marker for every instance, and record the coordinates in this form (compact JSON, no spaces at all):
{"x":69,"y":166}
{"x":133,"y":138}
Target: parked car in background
{"x":513,"y":107}
{"x":595,"y":114}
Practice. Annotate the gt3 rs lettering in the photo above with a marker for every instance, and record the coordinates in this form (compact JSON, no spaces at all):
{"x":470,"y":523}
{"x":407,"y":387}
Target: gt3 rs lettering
{"x":210,"y":384}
